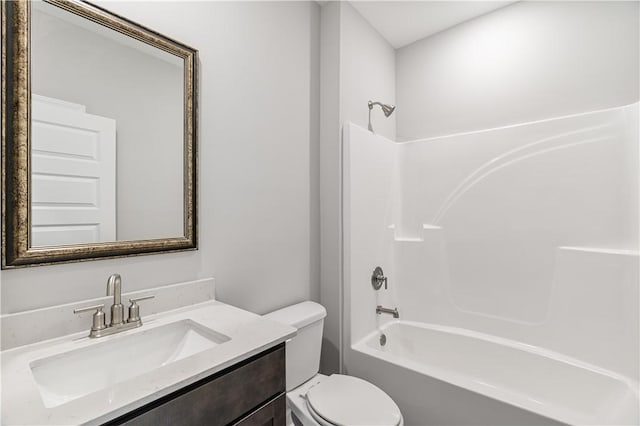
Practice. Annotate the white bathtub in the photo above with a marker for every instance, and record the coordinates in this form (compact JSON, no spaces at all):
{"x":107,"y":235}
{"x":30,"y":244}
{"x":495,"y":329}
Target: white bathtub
{"x":533,"y":379}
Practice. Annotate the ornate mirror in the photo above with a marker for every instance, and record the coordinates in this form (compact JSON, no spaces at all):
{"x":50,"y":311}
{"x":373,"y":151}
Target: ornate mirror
{"x":98,"y":136}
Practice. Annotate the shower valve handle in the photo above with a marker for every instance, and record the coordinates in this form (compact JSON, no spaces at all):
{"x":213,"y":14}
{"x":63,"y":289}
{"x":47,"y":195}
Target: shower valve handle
{"x":378,"y":278}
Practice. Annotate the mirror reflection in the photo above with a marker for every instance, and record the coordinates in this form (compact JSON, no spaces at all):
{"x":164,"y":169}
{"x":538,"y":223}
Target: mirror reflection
{"x":107,"y":141}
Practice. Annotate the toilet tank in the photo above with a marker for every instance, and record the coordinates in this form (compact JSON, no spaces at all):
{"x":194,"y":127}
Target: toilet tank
{"x":302,"y":351}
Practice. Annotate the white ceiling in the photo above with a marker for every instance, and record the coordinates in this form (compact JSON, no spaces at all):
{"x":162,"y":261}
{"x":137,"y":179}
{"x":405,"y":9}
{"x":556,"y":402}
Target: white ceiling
{"x":403,"y":22}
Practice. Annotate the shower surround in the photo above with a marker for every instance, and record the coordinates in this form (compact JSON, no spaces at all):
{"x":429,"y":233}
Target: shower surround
{"x":514,"y":248}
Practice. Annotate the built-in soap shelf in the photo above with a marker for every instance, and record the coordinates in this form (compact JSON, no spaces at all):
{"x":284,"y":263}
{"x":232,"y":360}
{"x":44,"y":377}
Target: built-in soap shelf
{"x":426,"y":228}
{"x":599,"y":250}
{"x":408,"y":239}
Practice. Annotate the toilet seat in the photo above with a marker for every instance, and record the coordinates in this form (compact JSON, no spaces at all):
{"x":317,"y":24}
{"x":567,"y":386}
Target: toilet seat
{"x":346,"y":401}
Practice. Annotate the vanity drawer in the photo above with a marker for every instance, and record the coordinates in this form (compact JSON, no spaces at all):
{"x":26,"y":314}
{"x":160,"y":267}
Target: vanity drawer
{"x":227,"y":397}
{"x":270,"y":414}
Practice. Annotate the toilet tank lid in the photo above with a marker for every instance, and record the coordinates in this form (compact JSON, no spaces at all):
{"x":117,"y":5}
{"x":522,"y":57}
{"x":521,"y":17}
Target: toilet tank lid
{"x":299,"y":315}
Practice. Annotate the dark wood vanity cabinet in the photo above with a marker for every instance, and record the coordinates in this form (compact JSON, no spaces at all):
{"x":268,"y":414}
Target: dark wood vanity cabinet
{"x":250,"y":393}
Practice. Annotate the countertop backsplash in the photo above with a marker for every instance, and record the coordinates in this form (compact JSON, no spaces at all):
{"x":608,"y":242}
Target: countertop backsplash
{"x":27,"y":327}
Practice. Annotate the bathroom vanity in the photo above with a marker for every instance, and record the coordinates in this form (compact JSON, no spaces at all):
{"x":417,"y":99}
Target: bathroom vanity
{"x":208,"y":363}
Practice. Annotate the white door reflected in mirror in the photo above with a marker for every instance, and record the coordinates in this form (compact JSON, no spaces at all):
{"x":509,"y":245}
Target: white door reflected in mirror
{"x":94,"y":182}
{"x":73,"y":172}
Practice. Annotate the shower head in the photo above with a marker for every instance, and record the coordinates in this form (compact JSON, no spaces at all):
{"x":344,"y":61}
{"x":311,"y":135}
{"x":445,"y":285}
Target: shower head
{"x":386,"y":109}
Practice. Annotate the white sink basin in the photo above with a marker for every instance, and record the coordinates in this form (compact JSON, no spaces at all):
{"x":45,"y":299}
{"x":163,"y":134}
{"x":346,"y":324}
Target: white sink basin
{"x":67,"y":376}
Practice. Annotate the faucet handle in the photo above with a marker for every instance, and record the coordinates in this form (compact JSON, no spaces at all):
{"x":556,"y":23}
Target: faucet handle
{"x":137,"y":299}
{"x":378,"y":278}
{"x":99,"y":322}
{"x":89,"y":308}
{"x":134,"y":309}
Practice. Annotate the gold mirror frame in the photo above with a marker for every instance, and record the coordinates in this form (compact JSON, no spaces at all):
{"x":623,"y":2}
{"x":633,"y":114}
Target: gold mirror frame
{"x":16,"y":141}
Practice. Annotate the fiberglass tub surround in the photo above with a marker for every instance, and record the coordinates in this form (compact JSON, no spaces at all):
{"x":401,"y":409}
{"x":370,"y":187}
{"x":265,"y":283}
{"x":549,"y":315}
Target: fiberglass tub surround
{"x":515,"y":248}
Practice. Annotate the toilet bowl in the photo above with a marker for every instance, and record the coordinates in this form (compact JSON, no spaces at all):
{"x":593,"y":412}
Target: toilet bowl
{"x":315,"y":399}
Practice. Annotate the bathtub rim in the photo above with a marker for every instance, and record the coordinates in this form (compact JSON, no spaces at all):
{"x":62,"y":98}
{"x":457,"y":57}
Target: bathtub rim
{"x":509,"y":397}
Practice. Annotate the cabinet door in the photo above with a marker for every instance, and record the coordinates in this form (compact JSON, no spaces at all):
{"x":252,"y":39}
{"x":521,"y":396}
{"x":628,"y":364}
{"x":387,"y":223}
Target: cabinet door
{"x":271,"y":414}
{"x":221,"y":399}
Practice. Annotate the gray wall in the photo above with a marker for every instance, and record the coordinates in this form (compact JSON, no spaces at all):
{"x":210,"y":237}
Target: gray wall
{"x":528,"y":61}
{"x":256,"y":151}
{"x":367,"y":72}
{"x":357,"y":65}
{"x":330,"y":131}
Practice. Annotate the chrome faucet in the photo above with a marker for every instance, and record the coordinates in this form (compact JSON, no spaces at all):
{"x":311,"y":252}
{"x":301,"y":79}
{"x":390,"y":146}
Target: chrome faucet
{"x":114,"y":288}
{"x":117,"y":323}
{"x":382,"y":310}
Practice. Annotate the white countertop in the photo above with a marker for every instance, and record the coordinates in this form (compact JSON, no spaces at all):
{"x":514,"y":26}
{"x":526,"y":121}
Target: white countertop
{"x":22,"y":404}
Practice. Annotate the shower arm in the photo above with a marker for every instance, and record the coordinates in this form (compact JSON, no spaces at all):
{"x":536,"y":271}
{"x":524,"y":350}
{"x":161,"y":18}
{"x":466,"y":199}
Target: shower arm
{"x":370,"y":127}
{"x":371,"y":104}
{"x":386,"y":109}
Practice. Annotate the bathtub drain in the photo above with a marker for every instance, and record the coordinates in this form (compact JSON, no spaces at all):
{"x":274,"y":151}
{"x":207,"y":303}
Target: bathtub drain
{"x":383,"y":339}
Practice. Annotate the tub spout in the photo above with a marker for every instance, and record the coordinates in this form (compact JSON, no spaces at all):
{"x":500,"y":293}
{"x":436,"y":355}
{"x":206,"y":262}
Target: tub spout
{"x":382,"y":310}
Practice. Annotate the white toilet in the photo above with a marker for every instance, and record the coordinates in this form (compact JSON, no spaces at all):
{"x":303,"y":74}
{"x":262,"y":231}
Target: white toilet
{"x":314,"y":399}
